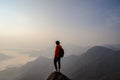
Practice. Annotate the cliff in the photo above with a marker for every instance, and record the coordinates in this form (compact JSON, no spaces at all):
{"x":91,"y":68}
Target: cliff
{"x":57,"y":76}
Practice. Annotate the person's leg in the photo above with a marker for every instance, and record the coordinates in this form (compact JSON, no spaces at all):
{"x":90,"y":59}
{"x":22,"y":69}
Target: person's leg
{"x":59,"y":63}
{"x":55,"y":63}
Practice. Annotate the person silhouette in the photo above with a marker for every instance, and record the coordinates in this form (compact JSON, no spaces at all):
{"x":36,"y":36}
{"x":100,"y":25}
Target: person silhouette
{"x":57,"y":58}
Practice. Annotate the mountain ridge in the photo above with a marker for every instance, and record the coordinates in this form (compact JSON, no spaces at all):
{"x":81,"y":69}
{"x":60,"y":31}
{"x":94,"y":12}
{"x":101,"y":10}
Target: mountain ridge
{"x":98,"y":63}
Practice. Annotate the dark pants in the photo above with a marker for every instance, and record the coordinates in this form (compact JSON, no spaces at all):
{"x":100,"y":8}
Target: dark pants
{"x":57,"y":60}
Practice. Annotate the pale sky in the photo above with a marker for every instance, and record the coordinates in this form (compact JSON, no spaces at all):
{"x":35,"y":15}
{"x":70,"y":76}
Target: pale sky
{"x":36,"y":23}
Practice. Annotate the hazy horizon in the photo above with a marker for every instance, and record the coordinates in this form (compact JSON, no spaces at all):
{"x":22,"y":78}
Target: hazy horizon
{"x":37,"y":24}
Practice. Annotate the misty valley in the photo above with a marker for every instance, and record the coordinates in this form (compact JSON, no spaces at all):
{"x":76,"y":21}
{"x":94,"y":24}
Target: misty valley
{"x":96,"y":63}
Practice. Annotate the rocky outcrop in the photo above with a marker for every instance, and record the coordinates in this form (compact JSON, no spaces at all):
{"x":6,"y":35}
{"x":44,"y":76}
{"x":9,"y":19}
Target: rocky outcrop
{"x":57,"y":76}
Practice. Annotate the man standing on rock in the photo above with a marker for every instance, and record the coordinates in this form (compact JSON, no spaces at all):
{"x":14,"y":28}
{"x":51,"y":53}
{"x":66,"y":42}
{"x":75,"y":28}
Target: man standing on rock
{"x":57,"y":56}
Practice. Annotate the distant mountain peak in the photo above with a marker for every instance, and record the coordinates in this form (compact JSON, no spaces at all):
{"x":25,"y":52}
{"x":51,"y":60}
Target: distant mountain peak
{"x":98,"y":48}
{"x":102,"y":47}
{"x":57,"y":76}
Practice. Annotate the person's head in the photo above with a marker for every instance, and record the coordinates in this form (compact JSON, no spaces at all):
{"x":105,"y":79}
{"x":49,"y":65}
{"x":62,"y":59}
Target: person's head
{"x":57,"y":42}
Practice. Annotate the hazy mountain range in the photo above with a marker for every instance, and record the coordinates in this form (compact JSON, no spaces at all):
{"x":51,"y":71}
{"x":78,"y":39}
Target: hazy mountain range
{"x":4,"y":57}
{"x":113,"y":46}
{"x":97,"y":63}
{"x":49,"y":51}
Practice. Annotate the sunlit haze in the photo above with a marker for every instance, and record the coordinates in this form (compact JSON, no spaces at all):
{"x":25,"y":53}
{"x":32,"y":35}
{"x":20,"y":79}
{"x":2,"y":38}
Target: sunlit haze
{"x":36,"y":24}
